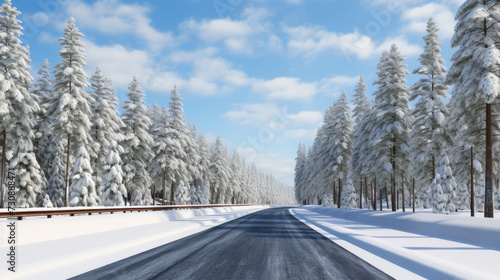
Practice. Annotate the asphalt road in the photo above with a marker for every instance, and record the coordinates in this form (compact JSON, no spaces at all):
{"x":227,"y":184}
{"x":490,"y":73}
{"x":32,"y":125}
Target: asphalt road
{"x":269,"y":244}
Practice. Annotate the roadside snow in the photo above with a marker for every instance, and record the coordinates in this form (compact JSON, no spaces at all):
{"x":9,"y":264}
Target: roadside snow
{"x":64,"y":246}
{"x":413,"y":245}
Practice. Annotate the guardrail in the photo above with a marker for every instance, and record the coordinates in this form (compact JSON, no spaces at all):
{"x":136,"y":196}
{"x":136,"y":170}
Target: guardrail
{"x":20,"y":213}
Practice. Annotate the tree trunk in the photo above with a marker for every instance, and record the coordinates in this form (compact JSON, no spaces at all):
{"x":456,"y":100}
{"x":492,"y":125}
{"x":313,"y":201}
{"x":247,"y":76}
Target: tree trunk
{"x":164,"y":191}
{"x":413,"y":191}
{"x":375,"y":193}
{"x":397,"y":199}
{"x":172,"y":193}
{"x":361,"y":195}
{"x":366,"y":190}
{"x":380,"y":199}
{"x":340,"y":191}
{"x":489,"y":205}
{"x":66,"y":182}
{"x":334,"y":193}
{"x":153,"y":194}
{"x":4,"y":147}
{"x":386,"y":196}
{"x":403,"y":193}
{"x":393,"y":188}
{"x":472,"y":196}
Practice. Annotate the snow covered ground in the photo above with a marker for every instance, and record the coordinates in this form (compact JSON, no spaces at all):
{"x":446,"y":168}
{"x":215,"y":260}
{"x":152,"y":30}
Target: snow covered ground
{"x":64,"y":246}
{"x":413,"y":245}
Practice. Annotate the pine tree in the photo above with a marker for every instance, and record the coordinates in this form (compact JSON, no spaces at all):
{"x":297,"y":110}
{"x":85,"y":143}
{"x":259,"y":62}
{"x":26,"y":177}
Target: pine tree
{"x":18,"y":109}
{"x":192,"y":161}
{"x":437,"y":197}
{"x":342,"y":141}
{"x":362,"y":108}
{"x":55,"y":182}
{"x":219,"y":172}
{"x":69,"y":108}
{"x":160,"y":167}
{"x":172,"y":140}
{"x":137,"y":146}
{"x":82,"y":191}
{"x":182,"y":195}
{"x":349,"y":196}
{"x":429,"y":133}
{"x":447,"y":181}
{"x":113,"y":191}
{"x":463,"y":198}
{"x":46,"y":201}
{"x":201,"y":192}
{"x":106,"y":124}
{"x":392,"y":109}
{"x":364,"y":159}
{"x":43,"y":89}
{"x":300,"y":162}
{"x":235,"y":192}
{"x":327,"y":200}
{"x":245,"y":192}
{"x":476,"y":80}
{"x":180,"y":146}
{"x":362,"y":104}
{"x":321,"y":168}
{"x":156,"y":115}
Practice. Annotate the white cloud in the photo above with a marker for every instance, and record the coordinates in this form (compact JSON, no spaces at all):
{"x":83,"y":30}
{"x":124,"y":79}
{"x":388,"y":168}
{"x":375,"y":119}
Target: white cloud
{"x":417,"y":19}
{"x":306,"y":118}
{"x":393,"y":4}
{"x":310,"y":41}
{"x":238,"y":45}
{"x":285,"y":88}
{"x":209,"y":74}
{"x":121,"y":65}
{"x":455,"y":3}
{"x":334,"y":85}
{"x":303,"y":134}
{"x":191,"y":56}
{"x":113,"y":17}
{"x":117,"y":62}
{"x":275,"y":43}
{"x":255,"y":113}
{"x":237,"y":35}
{"x":219,"y":29}
{"x":404,"y":46}
{"x":272,"y":116}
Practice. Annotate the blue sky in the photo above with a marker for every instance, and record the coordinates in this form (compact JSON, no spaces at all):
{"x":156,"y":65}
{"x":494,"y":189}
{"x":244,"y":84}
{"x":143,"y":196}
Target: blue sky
{"x":258,"y":73}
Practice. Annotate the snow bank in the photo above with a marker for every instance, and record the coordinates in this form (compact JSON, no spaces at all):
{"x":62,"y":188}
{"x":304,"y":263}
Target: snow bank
{"x":64,"y":246}
{"x":473,"y":230}
{"x":413,"y":245}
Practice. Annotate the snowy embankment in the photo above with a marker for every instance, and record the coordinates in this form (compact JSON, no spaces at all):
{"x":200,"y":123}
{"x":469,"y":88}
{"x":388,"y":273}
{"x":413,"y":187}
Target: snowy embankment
{"x":413,"y":245}
{"x":64,"y":246}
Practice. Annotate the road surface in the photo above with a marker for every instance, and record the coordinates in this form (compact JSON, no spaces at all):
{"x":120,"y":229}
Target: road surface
{"x":269,"y":244}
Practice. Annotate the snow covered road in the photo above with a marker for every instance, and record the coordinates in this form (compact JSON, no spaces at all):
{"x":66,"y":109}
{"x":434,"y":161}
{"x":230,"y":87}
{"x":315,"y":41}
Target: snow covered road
{"x":269,"y":244}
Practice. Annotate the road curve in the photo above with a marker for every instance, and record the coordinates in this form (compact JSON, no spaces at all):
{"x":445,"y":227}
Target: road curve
{"x":269,"y":244}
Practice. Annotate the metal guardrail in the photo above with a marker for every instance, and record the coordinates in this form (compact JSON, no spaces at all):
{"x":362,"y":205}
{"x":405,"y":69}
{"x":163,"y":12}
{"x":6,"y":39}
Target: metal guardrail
{"x":20,"y":213}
